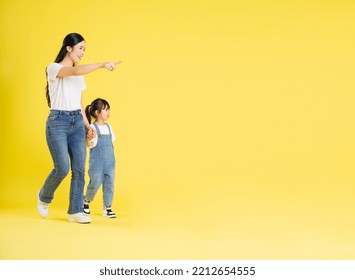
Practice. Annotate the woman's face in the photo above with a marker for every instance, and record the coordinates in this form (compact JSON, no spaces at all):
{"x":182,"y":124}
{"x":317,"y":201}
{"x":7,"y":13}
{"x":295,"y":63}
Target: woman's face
{"x":77,"y":52}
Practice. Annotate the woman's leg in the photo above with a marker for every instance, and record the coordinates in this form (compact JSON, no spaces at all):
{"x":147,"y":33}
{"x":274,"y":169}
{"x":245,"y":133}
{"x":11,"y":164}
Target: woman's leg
{"x":77,"y":152}
{"x":56,"y":134}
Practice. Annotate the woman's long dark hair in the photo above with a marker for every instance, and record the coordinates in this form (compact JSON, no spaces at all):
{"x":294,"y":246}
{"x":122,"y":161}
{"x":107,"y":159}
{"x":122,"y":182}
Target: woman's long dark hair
{"x":69,"y":41}
{"x":97,"y":105}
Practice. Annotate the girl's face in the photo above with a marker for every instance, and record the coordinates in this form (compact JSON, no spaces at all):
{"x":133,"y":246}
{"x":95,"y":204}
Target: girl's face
{"x":104,"y":114}
{"x":77,"y":52}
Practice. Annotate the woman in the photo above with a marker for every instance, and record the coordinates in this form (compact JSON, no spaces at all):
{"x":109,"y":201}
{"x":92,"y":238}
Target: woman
{"x":66,"y":123}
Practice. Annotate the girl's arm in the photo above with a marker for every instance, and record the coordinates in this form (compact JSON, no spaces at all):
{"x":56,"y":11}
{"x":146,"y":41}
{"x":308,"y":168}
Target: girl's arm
{"x":88,"y":142}
{"x":80,"y":70}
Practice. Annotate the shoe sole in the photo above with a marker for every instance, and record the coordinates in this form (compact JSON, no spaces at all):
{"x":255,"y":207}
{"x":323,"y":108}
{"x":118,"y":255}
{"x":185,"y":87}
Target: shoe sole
{"x":79,"y":222}
{"x":113,"y":216}
{"x":79,"y":219}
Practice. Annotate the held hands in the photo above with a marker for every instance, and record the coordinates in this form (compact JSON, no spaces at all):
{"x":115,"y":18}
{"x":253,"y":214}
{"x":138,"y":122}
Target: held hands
{"x":91,"y":134}
{"x":111,"y":65}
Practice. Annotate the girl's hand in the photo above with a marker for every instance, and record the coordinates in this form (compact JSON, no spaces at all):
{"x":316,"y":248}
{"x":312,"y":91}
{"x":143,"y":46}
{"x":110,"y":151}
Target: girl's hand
{"x":111,"y":65}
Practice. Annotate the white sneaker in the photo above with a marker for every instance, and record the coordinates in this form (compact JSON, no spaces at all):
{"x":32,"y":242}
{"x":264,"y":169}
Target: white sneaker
{"x":80,"y":218}
{"x":42,"y":207}
{"x":107,"y":212}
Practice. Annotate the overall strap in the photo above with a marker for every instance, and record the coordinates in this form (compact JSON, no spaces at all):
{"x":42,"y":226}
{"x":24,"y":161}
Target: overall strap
{"x":109,"y":130}
{"x":97,"y":129}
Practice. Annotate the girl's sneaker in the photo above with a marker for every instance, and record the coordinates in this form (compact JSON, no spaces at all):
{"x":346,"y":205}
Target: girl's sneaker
{"x":107,"y":212}
{"x":86,"y":208}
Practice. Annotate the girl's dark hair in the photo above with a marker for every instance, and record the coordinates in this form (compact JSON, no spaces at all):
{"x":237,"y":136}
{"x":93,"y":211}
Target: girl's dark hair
{"x":69,"y":41}
{"x":97,"y":105}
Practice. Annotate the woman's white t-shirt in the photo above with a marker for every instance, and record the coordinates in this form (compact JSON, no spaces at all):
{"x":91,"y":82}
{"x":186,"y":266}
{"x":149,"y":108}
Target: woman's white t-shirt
{"x":64,"y":92}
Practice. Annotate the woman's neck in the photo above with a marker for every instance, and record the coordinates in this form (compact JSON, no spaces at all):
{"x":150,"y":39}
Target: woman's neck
{"x":67,"y":61}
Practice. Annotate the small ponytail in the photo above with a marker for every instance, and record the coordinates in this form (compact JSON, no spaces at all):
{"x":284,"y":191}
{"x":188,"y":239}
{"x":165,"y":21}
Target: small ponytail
{"x":87,"y":113}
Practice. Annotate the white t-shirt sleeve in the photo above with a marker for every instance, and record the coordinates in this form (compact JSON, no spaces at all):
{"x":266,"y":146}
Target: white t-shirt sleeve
{"x":52,"y":71}
{"x":113,"y":135}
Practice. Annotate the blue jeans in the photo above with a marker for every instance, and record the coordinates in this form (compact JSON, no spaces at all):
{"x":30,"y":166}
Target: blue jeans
{"x":65,"y":132}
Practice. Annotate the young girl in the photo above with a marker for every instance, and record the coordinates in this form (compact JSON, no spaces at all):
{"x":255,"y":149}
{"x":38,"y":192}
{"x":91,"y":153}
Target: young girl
{"x":102,"y":158}
{"x":66,"y":123}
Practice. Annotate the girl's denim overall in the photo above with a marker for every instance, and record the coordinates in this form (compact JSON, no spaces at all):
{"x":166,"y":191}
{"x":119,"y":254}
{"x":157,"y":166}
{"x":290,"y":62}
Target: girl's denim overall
{"x":102,"y":168}
{"x":65,"y":133}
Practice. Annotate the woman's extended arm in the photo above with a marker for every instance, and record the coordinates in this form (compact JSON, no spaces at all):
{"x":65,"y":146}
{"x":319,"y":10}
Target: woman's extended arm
{"x":80,"y":70}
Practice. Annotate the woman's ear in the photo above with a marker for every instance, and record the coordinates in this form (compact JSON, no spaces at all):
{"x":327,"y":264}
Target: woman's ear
{"x":68,"y":48}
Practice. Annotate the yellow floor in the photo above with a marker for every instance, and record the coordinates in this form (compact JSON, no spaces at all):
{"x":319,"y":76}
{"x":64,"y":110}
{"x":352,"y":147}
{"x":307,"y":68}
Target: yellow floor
{"x":214,"y":226}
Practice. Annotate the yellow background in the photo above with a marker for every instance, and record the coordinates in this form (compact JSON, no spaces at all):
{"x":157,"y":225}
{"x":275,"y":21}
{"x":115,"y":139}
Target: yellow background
{"x":234,"y":119}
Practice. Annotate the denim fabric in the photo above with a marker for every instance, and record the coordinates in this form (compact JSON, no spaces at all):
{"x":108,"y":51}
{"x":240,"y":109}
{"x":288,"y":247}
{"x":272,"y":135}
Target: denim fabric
{"x":65,"y":132}
{"x":101,"y":168}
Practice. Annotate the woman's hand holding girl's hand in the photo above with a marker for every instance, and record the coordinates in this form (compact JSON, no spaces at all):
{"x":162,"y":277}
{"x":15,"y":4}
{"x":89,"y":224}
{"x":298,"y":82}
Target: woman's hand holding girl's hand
{"x":91,"y":134}
{"x":111,"y":65}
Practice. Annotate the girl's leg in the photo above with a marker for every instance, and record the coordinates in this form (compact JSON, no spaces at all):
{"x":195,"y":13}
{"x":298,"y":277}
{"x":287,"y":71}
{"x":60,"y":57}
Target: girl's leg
{"x":108,"y":186}
{"x":96,"y":178}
